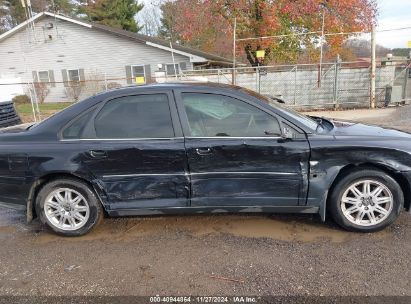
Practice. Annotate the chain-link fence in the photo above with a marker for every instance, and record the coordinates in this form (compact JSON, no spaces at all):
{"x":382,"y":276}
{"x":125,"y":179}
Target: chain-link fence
{"x":333,"y":85}
{"x":340,"y":84}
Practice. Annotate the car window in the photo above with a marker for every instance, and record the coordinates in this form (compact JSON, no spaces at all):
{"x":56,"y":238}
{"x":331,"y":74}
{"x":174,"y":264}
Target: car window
{"x":75,"y":129}
{"x":212,"y":115}
{"x":137,"y":116}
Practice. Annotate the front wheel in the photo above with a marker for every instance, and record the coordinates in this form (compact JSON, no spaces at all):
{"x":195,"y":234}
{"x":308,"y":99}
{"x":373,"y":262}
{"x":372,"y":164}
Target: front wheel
{"x":366,"y":201}
{"x":69,"y":207}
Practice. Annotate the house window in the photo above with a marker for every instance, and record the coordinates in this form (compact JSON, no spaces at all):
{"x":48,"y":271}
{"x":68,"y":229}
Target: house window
{"x":74,"y":75}
{"x":44,"y":76}
{"x":172,"y":69}
{"x":138,"y":74}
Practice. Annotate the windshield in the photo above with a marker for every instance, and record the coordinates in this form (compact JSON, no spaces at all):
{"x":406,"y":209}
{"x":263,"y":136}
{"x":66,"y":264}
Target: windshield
{"x":306,"y":120}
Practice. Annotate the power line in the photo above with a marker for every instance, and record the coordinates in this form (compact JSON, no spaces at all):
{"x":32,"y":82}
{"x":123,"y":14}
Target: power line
{"x":319,"y":32}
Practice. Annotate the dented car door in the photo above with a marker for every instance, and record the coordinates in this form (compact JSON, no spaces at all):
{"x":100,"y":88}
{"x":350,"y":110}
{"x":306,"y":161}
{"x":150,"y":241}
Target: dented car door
{"x":134,"y":148}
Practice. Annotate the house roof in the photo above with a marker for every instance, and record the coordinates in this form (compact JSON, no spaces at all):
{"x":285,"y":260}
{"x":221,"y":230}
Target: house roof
{"x":193,"y":54}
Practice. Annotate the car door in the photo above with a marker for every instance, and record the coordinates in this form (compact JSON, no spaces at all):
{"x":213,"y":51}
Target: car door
{"x":133,"y":146}
{"x":236,"y":154}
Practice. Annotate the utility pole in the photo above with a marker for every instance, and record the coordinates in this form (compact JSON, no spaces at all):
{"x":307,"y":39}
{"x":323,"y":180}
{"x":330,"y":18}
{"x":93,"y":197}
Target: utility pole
{"x":373,"y":67}
{"x":321,"y":47}
{"x":234,"y":50}
{"x":174,"y":62}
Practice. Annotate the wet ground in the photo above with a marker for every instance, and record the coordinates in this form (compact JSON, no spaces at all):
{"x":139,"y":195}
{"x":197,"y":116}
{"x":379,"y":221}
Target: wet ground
{"x":210,"y":255}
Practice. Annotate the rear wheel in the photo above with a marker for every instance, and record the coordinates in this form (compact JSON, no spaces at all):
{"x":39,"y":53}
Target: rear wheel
{"x":68,"y":207}
{"x":366,"y":200}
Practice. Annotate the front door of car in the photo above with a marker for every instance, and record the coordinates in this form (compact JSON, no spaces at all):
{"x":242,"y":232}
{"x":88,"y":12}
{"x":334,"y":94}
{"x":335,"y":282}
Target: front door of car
{"x":237,"y":156}
{"x":133,"y":146}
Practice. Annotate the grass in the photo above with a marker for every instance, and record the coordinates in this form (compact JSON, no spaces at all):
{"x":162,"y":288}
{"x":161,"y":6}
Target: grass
{"x":46,"y":109}
{"x":54,"y":107}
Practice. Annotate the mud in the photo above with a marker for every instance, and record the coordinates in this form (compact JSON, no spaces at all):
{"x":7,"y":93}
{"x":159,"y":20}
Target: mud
{"x":251,"y":226}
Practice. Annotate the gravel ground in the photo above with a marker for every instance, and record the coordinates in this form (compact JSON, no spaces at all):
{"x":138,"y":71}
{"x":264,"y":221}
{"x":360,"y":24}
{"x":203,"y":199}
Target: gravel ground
{"x":210,"y":255}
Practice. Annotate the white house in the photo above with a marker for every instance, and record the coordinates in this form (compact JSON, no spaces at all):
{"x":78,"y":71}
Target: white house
{"x":64,"y":56}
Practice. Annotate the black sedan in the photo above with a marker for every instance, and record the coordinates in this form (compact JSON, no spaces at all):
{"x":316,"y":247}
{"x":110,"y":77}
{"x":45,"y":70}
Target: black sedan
{"x":200,"y":148}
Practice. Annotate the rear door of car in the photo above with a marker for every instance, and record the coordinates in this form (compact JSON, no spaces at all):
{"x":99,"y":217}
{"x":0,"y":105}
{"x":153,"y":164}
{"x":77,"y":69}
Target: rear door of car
{"x":236,"y":154}
{"x":133,"y":146}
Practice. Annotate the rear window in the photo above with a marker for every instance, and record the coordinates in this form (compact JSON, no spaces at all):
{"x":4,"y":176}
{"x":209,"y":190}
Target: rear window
{"x":137,"y":116}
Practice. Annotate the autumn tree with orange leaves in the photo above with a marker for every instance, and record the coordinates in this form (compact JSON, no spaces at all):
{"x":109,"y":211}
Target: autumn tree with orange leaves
{"x":208,"y":25}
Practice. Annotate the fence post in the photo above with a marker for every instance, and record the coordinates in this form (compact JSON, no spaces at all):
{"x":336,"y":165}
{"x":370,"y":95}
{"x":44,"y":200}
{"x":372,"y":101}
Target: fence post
{"x":373,"y":66}
{"x":405,"y":85}
{"x":105,"y":80}
{"x":295,"y":85}
{"x":335,"y":89}
{"x":32,"y":101}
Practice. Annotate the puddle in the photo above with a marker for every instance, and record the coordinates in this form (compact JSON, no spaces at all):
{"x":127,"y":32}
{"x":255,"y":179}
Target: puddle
{"x":282,"y":228}
{"x":7,"y":229}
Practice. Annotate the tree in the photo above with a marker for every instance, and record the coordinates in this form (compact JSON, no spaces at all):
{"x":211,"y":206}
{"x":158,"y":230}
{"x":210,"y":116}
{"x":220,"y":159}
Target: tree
{"x":362,"y":48}
{"x":116,"y":13}
{"x":150,"y":19}
{"x":403,"y":52}
{"x":208,"y":24}
{"x":41,"y":89}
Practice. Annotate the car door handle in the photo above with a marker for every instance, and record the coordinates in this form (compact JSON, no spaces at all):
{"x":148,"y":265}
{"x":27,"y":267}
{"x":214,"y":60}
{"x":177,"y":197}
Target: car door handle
{"x":98,"y":153}
{"x":203,"y":151}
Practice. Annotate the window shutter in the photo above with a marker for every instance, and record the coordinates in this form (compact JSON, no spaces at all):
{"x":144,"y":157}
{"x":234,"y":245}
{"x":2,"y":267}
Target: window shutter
{"x":51,"y":77}
{"x":183,"y":66}
{"x":128,"y":74}
{"x":82,"y":76}
{"x":64,"y":75}
{"x":147,"y":70}
{"x":35,"y":76}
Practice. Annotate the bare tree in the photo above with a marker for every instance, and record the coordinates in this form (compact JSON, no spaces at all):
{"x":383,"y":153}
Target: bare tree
{"x":41,"y":89}
{"x":362,"y":48}
{"x":73,"y":90}
{"x":94,"y":83}
{"x":150,"y":18}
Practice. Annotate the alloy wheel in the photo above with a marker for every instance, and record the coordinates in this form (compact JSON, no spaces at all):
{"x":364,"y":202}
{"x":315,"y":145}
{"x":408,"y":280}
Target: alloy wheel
{"x":367,"y":202}
{"x":66,"y":209}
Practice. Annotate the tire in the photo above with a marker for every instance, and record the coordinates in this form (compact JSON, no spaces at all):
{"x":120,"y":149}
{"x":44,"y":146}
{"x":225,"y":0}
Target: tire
{"x":365,"y":213}
{"x":68,"y":207}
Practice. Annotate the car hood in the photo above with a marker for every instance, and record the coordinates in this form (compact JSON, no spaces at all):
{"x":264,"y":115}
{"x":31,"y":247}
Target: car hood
{"x":348,"y":128}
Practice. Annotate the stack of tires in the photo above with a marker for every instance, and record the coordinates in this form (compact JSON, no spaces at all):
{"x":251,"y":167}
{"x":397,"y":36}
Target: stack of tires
{"x":8,"y":115}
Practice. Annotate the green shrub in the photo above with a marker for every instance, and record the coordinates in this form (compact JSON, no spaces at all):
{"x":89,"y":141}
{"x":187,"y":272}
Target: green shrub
{"x":21,"y":99}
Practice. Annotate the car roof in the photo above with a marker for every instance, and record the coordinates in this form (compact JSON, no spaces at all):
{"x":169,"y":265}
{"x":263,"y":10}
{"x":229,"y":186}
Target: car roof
{"x":179,"y":84}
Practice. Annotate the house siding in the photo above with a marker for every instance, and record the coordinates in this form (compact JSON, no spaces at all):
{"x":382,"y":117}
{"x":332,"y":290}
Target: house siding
{"x":72,"y":46}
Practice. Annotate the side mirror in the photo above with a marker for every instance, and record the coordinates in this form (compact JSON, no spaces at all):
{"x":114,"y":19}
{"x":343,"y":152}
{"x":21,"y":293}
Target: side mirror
{"x":287,"y":133}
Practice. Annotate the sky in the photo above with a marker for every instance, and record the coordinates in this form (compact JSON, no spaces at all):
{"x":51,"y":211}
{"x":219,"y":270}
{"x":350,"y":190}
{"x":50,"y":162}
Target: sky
{"x":392,"y":14}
